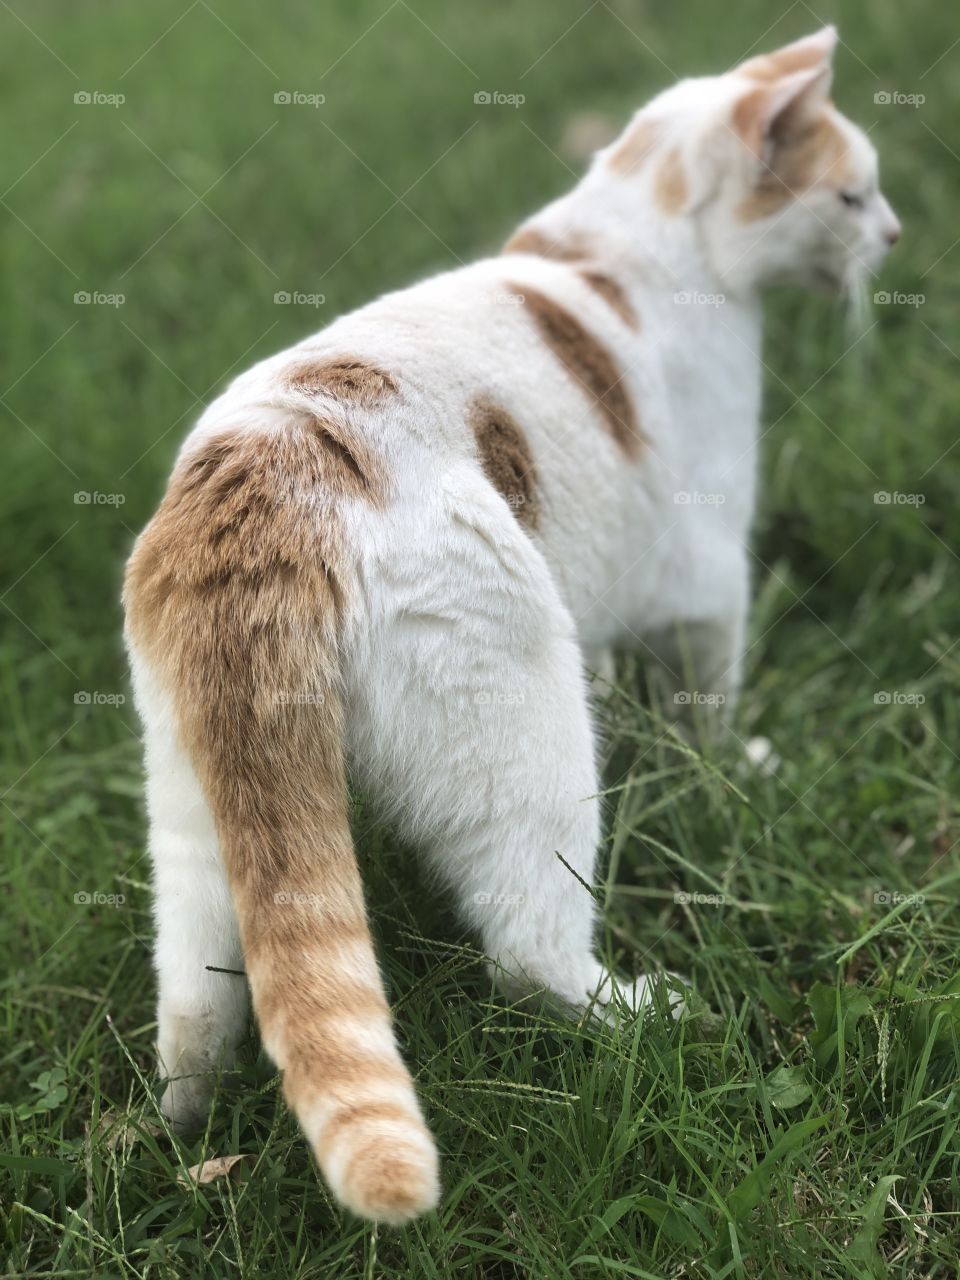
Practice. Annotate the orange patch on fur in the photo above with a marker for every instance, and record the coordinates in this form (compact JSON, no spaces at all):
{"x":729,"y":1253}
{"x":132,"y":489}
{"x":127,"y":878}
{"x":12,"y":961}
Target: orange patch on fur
{"x":588,"y":361}
{"x":234,"y":597}
{"x":573,"y":250}
{"x":634,"y":148}
{"x":670,"y":183}
{"x":345,"y":378}
{"x":815,"y":152}
{"x":612,"y":292}
{"x":506,"y":459}
{"x":530,"y":240}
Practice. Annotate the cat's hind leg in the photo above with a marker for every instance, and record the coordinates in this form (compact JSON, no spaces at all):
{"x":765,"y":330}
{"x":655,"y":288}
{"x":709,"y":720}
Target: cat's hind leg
{"x":202,"y":1012}
{"x":471,"y":722}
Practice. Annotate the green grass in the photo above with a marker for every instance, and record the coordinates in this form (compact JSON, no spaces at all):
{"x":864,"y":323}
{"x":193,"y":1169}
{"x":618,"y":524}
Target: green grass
{"x":807,"y":1125}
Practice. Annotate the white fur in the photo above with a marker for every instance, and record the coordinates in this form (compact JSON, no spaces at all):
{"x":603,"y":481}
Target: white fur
{"x":468,"y":717}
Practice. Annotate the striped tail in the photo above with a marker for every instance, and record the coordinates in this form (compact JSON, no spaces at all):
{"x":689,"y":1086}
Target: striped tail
{"x":234,"y":598}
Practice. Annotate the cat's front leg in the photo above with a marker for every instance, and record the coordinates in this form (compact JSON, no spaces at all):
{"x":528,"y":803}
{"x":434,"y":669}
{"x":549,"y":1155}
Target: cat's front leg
{"x":700,"y":656}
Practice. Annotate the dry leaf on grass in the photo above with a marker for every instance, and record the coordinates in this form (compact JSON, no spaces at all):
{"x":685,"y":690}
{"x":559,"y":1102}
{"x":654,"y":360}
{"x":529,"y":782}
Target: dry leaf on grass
{"x":117,"y":1128}
{"x":210,"y":1170}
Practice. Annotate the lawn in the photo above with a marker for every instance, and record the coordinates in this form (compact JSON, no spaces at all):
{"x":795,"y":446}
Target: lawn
{"x":802,"y":1120}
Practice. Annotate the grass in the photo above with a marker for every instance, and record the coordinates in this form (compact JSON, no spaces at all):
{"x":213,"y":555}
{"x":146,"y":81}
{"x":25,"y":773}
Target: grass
{"x":806,"y":1125}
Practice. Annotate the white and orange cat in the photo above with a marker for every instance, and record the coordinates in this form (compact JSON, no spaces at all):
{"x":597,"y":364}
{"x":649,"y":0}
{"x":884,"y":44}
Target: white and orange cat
{"x":390,"y":552}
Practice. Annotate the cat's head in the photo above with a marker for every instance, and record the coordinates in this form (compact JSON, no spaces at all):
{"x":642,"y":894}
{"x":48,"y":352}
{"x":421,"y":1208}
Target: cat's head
{"x":780,"y":184}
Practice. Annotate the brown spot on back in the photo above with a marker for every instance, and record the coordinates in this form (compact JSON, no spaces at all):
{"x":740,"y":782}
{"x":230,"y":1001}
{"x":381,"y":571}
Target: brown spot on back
{"x":531,"y":240}
{"x":589,"y":362}
{"x":670,"y":183}
{"x":612,"y":292}
{"x":506,"y":459}
{"x":573,"y":250}
{"x":345,"y":378}
{"x":634,"y":148}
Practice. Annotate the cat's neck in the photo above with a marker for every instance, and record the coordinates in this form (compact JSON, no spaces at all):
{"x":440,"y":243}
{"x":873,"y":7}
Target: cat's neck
{"x":603,"y":219}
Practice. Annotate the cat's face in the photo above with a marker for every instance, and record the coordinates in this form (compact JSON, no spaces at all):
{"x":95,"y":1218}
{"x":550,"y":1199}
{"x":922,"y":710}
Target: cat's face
{"x":782,"y":186}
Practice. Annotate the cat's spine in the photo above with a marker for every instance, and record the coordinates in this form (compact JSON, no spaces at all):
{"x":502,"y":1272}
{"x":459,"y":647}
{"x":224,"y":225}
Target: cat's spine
{"x":235,"y":601}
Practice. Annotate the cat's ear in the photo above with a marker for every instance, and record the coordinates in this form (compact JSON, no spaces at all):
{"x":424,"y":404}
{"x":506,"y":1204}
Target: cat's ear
{"x":772,"y":113}
{"x":813,"y":51}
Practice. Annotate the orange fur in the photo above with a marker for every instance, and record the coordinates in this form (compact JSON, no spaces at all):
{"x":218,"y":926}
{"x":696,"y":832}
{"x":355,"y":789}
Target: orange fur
{"x":235,"y":594}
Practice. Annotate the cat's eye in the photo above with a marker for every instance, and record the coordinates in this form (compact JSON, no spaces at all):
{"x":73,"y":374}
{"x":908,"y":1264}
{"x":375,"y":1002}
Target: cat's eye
{"x":850,"y":200}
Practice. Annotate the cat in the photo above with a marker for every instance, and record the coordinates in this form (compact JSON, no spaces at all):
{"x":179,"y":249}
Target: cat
{"x":390,"y":552}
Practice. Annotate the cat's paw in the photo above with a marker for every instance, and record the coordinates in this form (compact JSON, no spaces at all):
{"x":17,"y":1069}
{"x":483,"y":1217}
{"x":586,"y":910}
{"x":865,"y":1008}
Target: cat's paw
{"x":636,"y":997}
{"x":186,"y":1104}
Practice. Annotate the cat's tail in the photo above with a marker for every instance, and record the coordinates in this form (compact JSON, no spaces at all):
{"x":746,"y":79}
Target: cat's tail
{"x":234,"y":603}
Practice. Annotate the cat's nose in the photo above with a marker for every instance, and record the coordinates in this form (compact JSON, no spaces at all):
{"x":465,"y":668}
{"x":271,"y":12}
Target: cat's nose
{"x":890,"y":222}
